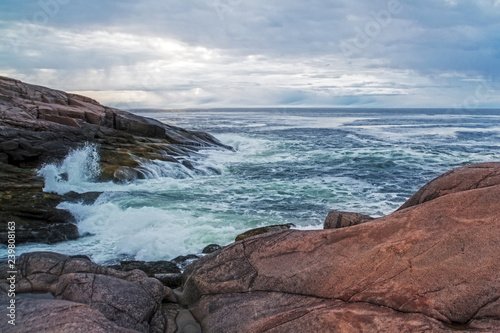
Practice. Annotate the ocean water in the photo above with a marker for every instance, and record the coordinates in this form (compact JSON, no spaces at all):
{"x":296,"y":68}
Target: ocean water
{"x":289,"y":166}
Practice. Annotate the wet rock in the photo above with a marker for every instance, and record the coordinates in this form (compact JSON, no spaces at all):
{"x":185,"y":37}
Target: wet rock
{"x":211,"y":248}
{"x":35,"y":213}
{"x":87,"y":198}
{"x":430,"y":267}
{"x":336,"y":219}
{"x":125,"y":174}
{"x":263,"y":230}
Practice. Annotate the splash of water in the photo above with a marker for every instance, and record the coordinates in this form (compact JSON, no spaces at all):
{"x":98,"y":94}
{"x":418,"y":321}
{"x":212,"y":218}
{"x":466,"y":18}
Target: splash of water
{"x":79,"y":167}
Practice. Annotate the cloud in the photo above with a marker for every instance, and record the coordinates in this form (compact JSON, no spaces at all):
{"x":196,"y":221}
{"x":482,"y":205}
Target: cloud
{"x":257,"y":53}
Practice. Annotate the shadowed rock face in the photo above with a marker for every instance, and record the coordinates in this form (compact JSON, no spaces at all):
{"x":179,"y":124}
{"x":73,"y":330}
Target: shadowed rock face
{"x":430,"y":267}
{"x":39,"y":125}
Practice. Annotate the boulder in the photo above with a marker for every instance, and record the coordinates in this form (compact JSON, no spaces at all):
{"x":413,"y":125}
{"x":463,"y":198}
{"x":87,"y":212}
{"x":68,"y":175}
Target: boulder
{"x":59,"y":316}
{"x":87,"y":297}
{"x":263,"y":230}
{"x":430,"y":267}
{"x":211,"y":248}
{"x":150,"y":267}
{"x":336,"y":219}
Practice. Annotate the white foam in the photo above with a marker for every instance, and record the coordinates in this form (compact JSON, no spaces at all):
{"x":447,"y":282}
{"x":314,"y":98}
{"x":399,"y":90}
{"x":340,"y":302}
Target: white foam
{"x":147,"y":233}
{"x":81,"y":166}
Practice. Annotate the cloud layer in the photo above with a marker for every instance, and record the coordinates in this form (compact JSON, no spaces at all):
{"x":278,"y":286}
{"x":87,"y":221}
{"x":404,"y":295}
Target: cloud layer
{"x":224,"y":53}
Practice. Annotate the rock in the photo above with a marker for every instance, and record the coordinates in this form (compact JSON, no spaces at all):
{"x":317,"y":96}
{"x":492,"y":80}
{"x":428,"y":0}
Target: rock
{"x":59,"y":316}
{"x":461,"y":179}
{"x":150,"y":267}
{"x":130,"y":304}
{"x":48,"y":234}
{"x":430,"y":267}
{"x":263,"y":230}
{"x":125,"y":174}
{"x":40,"y":125}
{"x":35,"y":213}
{"x":87,"y":198}
{"x":211,"y":248}
{"x":183,"y":261}
{"x":87,"y":297}
{"x":171,"y":280}
{"x":336,"y":219}
{"x":41,"y":115}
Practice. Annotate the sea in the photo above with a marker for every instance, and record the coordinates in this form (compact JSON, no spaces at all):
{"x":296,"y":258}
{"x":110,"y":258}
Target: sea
{"x":289,"y":165}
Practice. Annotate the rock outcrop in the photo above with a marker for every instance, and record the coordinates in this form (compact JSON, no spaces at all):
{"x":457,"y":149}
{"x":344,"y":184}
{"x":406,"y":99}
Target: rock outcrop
{"x":263,"y":230}
{"x":431,"y":267}
{"x":336,"y":219}
{"x":40,"y":125}
{"x":88,"y":297}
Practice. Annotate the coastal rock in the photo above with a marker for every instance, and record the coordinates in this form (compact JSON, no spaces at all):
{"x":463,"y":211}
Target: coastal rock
{"x":150,"y":267}
{"x":40,"y":125}
{"x":59,"y":316}
{"x":430,"y":267}
{"x":37,"y":217}
{"x":263,"y":230}
{"x":98,"y":297}
{"x":211,"y":248}
{"x":469,"y":177}
{"x":336,"y":219}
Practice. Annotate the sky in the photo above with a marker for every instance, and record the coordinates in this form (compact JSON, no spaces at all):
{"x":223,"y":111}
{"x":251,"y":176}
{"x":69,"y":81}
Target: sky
{"x":258,"y":53}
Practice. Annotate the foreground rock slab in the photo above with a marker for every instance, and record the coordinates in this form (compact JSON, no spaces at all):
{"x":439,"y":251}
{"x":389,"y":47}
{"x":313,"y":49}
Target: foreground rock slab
{"x":88,"y":297}
{"x":431,"y":267}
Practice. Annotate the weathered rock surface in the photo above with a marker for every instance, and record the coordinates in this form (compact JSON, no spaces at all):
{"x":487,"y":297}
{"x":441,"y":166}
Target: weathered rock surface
{"x":37,"y":219}
{"x":336,"y":219}
{"x":34,"y":316}
{"x":263,"y":230}
{"x":211,"y":248}
{"x":469,"y":177}
{"x":149,"y":267}
{"x":40,"y":125}
{"x":432,"y":267}
{"x":88,"y":297}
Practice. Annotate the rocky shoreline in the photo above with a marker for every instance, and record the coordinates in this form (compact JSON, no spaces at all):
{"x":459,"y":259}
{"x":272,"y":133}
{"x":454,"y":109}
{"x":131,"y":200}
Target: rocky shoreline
{"x":431,"y":266}
{"x":41,"y":125}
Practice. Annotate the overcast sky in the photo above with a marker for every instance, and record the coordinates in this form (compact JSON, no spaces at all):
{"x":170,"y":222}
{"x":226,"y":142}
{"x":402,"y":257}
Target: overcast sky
{"x":228,"y":53}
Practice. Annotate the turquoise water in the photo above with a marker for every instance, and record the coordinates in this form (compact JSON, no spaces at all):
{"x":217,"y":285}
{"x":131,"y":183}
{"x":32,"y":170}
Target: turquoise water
{"x":290,"y":166}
